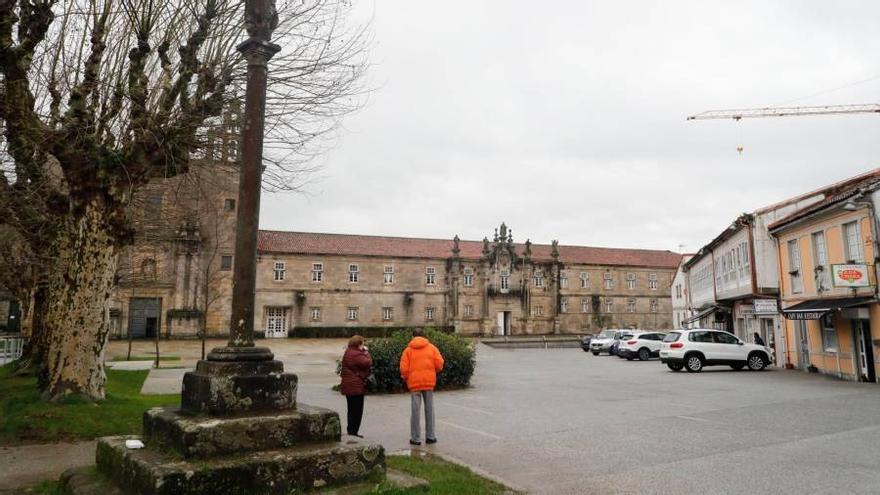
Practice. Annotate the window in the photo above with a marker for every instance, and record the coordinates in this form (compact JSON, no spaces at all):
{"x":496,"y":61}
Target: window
{"x":820,"y":257}
{"x":585,"y":280}
{"x":387,"y":313}
{"x":430,"y":274}
{"x":468,"y":277}
{"x":630,"y":280}
{"x":678,"y":291}
{"x":317,"y":272}
{"x":852,"y":242}
{"x":389,"y":275}
{"x":794,"y":266}
{"x":609,"y":305}
{"x":654,"y":305}
{"x":279,"y":271}
{"x":315,"y":313}
{"x":505,"y":280}
{"x":539,"y":278}
{"x":653,"y":283}
{"x":429,"y":314}
{"x":354,"y":274}
{"x":538,"y":311}
{"x":563,"y":280}
{"x":228,"y":204}
{"x":829,"y":333}
{"x":609,"y":281}
{"x":276,"y":319}
{"x":631,"y":305}
{"x":701,"y":337}
{"x":148,"y":268}
{"x":352,"y":314}
{"x":153,"y":207}
{"x":468,"y":310}
{"x":585,"y":305}
{"x":226,"y":262}
{"x":563,"y":305}
{"x":724,"y":338}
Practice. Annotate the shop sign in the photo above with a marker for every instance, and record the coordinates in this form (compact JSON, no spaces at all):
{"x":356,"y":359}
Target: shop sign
{"x":766,"y":306}
{"x":850,"y":275}
{"x":805,"y":315}
{"x":744,"y":311}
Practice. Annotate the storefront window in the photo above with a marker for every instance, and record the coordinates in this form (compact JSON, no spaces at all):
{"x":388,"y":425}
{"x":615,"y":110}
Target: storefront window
{"x":829,"y":333}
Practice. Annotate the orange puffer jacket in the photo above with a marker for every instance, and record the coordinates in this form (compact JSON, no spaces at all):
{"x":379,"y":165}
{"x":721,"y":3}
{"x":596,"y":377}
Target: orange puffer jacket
{"x":419,"y":364}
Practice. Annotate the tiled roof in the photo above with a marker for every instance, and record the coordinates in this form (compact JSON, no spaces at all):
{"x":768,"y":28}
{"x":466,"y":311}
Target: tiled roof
{"x":851,"y":188}
{"x":271,"y":241}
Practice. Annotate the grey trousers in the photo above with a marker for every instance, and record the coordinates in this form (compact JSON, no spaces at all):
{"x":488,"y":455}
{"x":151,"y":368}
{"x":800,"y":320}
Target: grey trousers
{"x":414,"y":426}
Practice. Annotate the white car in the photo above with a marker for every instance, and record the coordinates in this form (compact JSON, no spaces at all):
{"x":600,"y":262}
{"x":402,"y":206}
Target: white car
{"x":693,"y":349}
{"x":605,"y":339}
{"x":642,"y":345}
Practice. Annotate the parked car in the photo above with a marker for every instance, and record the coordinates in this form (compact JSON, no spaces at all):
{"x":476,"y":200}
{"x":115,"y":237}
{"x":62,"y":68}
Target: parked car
{"x":604,"y":341}
{"x":642,"y":345}
{"x":615,"y":347}
{"x":693,"y":349}
{"x":585,"y":342}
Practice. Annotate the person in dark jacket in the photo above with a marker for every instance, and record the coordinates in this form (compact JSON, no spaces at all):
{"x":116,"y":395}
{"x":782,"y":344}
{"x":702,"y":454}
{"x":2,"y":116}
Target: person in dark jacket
{"x":356,"y":365}
{"x":758,"y":339}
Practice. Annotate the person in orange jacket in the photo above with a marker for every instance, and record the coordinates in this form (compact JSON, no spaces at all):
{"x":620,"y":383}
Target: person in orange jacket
{"x":419,"y":364}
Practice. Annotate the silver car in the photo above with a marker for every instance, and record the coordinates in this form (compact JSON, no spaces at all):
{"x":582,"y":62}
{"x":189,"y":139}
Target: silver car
{"x":604,"y":341}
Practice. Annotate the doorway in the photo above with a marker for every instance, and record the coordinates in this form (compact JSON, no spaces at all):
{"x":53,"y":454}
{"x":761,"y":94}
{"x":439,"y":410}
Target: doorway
{"x":144,"y":317}
{"x":803,"y":344}
{"x":504,"y":323}
{"x":864,"y":350}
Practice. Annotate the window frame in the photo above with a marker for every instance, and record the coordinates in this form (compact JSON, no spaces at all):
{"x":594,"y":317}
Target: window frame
{"x":279,"y":269}
{"x":354,"y":273}
{"x":430,"y":275}
{"x":315,"y":313}
{"x":585,"y":280}
{"x":223,"y":265}
{"x":850,"y":244}
{"x":795,"y":274}
{"x":352,"y":313}
{"x":429,"y":313}
{"x":317,"y":272}
{"x":388,"y":274}
{"x":387,"y":313}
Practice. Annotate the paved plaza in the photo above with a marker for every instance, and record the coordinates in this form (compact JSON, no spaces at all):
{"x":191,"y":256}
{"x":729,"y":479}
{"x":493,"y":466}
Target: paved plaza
{"x":564,"y":421}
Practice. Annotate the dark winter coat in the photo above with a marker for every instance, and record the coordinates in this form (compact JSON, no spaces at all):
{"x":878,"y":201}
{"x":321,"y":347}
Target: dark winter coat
{"x":356,"y":365}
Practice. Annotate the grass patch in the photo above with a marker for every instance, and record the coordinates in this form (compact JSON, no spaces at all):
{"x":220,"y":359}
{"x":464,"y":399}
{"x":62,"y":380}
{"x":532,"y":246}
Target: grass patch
{"x":25,"y":418}
{"x":445,"y":477}
{"x":145,"y":358}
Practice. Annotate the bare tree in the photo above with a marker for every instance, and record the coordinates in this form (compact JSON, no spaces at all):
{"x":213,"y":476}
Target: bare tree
{"x":98,"y":97}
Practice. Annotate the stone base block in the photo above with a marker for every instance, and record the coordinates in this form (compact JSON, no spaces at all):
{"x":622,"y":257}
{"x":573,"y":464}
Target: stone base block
{"x":227,"y":389}
{"x":196,"y":436}
{"x":271,"y":472}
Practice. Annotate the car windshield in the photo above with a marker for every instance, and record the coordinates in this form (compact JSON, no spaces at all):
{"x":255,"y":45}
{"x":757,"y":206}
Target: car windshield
{"x":606,"y":334}
{"x":672,"y":337}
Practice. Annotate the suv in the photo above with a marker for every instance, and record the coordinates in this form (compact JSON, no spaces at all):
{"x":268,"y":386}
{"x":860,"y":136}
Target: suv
{"x":693,"y":349}
{"x":604,"y":341}
{"x":642,"y":345}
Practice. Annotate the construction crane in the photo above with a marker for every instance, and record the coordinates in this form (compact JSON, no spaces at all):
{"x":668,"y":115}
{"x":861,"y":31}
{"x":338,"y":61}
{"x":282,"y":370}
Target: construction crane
{"x":749,"y":113}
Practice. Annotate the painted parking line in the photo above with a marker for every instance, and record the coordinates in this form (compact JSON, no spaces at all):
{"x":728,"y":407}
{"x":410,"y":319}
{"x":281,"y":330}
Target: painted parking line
{"x":691,"y":418}
{"x":478,"y":432}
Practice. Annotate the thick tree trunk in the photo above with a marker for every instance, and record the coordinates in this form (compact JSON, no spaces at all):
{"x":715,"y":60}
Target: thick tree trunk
{"x":77,"y":318}
{"x":34,"y":354}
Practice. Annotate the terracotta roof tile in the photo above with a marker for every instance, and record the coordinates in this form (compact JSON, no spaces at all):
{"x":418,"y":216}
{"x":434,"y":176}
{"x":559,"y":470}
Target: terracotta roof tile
{"x":271,"y":241}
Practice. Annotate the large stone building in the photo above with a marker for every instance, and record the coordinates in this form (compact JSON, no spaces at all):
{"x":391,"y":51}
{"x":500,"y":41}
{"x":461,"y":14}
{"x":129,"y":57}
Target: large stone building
{"x":308,"y":280}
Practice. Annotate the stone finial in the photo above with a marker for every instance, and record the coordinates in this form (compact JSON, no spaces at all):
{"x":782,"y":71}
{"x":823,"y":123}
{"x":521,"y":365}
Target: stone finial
{"x":495,"y":239}
{"x":503,"y":232}
{"x":455,"y":246}
{"x":510,"y":236}
{"x":554,"y":249}
{"x":485,"y":246}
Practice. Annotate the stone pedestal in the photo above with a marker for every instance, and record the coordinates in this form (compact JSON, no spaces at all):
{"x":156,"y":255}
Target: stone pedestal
{"x":239,"y":431}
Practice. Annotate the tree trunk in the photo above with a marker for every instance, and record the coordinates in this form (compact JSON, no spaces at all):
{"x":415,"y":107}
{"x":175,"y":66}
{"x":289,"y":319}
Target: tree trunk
{"x":77,"y":320}
{"x":35,"y":349}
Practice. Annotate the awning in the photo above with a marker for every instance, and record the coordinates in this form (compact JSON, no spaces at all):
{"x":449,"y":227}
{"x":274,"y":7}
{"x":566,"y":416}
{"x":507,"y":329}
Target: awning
{"x":706,"y":312}
{"x":815,"y":309}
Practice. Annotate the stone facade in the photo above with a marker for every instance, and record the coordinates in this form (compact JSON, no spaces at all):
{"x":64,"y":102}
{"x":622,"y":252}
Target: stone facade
{"x":500,"y":287}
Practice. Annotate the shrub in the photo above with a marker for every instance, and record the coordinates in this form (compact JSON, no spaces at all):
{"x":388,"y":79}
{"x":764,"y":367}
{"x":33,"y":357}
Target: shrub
{"x":458,"y":353}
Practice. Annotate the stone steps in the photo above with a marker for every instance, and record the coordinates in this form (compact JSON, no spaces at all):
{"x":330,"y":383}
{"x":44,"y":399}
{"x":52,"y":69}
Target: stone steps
{"x":267,"y":472}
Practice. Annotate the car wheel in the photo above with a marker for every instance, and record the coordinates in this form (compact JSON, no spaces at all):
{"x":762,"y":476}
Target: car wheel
{"x":644,"y":354}
{"x":675,"y":366}
{"x":586,"y":350}
{"x":757,"y":362}
{"x":694,"y":363}
{"x":629,"y":358}
{"x":737,"y":367}
{"x":595,"y":353}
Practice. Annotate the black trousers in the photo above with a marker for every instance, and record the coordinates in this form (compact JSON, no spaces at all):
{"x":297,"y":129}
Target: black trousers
{"x":355,"y":413}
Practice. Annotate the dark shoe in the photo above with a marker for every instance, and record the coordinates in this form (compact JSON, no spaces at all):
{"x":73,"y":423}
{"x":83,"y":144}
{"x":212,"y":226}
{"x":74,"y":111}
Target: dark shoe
{"x":356,"y":435}
{"x":429,"y":441}
{"x":413,"y":442}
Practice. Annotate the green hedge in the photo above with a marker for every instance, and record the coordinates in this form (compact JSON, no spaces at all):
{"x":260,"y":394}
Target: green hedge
{"x":458,"y":353}
{"x":346,"y":332}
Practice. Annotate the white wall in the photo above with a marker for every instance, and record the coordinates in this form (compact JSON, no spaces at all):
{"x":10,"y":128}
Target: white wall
{"x":733,"y":272}
{"x":701,"y":283}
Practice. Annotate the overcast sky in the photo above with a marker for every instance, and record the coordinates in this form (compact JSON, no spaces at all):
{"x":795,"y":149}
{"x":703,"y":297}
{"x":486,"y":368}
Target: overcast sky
{"x":567,"y":119}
